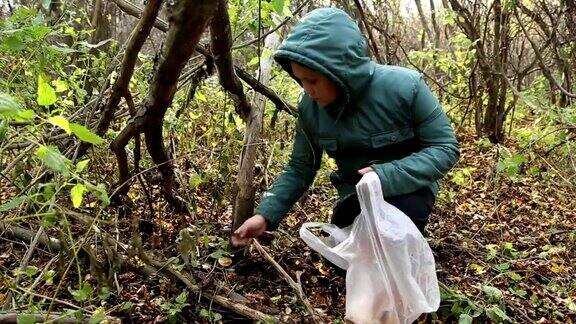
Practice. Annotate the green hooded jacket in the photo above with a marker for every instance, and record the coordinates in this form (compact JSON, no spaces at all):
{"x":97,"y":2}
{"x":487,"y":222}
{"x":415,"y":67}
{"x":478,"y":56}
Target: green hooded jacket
{"x":386,"y":118}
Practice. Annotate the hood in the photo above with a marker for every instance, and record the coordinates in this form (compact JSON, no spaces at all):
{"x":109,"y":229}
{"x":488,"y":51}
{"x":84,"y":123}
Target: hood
{"x":329,"y":41}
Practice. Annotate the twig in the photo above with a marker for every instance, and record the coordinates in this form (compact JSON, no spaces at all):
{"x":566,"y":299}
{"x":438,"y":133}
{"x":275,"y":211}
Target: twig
{"x":39,"y":278}
{"x":150,"y":268}
{"x":60,"y":301}
{"x":369,"y":31}
{"x":223,"y":301}
{"x":64,"y":318}
{"x":291,"y":282}
{"x":162,"y":25}
{"x":17,"y":159}
{"x":275,"y":28}
{"x":24,"y":263}
{"x":25,"y":234}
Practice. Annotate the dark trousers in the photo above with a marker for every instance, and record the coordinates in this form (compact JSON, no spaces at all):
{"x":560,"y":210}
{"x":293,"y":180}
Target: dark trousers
{"x":416,"y":205}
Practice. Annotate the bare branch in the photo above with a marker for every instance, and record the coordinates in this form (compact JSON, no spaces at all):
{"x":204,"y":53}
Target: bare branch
{"x":221,"y":45}
{"x":161,"y":25}
{"x":545,"y":71}
{"x":284,"y":22}
{"x":135,"y":43}
{"x":290,"y":281}
{"x":369,"y":31}
{"x":150,"y":268}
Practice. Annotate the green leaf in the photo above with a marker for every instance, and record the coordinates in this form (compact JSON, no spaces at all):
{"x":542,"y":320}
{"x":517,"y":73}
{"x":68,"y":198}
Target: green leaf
{"x":14,"y":203}
{"x":104,"y":293}
{"x":82,"y":294}
{"x":49,"y":219}
{"x":502,"y":266}
{"x":3,"y":129}
{"x":46,"y":4}
{"x":477,"y":268}
{"x":100,"y":192}
{"x":53,"y":159}
{"x":494,"y":294}
{"x":204,"y":313}
{"x":46,"y":95}
{"x":60,"y":85}
{"x":49,"y":277}
{"x":518,"y":292}
{"x":181,"y":299}
{"x":80,"y":166}
{"x":98,"y":316}
{"x":514,"y":276}
{"x":10,"y":108}
{"x":14,"y":43}
{"x":218,"y":254}
{"x":496,"y":314}
{"x":8,"y":105}
{"x":465,"y":319}
{"x":254,"y":61}
{"x":26,"y":319}
{"x":200,"y":97}
{"x":127,"y":305}
{"x":48,"y":191}
{"x":38,"y":32}
{"x":85,"y":134}
{"x":61,"y":122}
{"x":195,"y":181}
{"x":31,"y":271}
{"x":24,"y":115}
{"x":77,"y":193}
{"x":278,"y":6}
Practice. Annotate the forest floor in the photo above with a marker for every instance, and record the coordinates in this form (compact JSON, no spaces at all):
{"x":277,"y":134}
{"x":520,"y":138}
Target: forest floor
{"x":504,"y":248}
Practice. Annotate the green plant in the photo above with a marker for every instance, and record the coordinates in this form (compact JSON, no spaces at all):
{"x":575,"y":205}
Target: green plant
{"x":510,"y":164}
{"x":462,"y":176}
{"x":175,"y":308}
{"x":210,"y":315}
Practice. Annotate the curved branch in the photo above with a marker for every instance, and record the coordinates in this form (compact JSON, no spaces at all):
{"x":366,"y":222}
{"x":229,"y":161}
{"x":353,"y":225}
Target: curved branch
{"x":135,"y":43}
{"x":221,"y":44}
{"x":162,"y":25}
{"x":369,"y":31}
{"x":284,"y":22}
{"x":545,"y":70}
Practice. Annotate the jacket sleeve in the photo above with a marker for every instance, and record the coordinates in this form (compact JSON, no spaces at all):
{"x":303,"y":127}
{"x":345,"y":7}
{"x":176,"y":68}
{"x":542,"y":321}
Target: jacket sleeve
{"x":295,"y":179}
{"x":439,"y":150}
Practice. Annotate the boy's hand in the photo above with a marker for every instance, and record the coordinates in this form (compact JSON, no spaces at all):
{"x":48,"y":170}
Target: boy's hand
{"x":365,"y":170}
{"x":252,"y":228}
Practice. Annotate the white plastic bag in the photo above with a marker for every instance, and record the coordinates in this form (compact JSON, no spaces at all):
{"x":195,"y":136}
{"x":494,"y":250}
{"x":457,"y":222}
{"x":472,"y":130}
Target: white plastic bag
{"x":391,"y":275}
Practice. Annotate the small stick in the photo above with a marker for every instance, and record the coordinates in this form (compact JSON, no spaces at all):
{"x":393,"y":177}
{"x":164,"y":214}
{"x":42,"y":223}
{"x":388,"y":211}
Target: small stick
{"x":291,"y":282}
{"x":24,"y":263}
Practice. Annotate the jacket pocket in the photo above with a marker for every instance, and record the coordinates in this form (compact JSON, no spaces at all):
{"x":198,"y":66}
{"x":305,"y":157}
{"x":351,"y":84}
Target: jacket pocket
{"x":391,"y":137}
{"x":328,"y":144}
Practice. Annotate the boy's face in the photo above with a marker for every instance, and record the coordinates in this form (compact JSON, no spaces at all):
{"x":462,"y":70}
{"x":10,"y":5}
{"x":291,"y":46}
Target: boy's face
{"x":323,"y":90}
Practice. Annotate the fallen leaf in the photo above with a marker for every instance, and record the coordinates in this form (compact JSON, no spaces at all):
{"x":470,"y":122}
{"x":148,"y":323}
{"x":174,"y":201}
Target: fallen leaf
{"x":225,"y":261}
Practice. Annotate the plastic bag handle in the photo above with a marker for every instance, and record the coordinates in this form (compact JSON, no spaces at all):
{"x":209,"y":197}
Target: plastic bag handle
{"x":316,"y":244}
{"x":339,"y":234}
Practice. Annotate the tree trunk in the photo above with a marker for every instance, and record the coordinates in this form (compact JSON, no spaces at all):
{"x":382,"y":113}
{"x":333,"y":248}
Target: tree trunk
{"x":100,"y":24}
{"x":221,"y":42}
{"x":120,"y":87}
{"x":189,"y":19}
{"x":435,"y":24}
{"x":161,"y":25}
{"x":423,"y":18}
{"x":245,"y":191}
{"x":497,"y":85}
